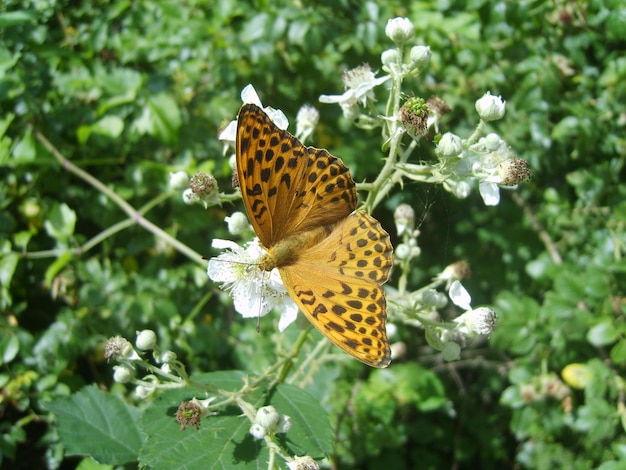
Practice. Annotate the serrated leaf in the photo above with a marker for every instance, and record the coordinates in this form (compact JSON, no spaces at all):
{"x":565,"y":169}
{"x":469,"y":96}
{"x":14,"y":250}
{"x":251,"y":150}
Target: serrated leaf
{"x":91,"y":422}
{"x":311,"y":433}
{"x":221,"y":442}
{"x":224,"y":441}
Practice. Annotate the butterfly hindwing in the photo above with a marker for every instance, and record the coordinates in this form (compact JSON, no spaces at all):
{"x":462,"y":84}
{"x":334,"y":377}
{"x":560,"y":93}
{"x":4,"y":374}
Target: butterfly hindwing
{"x":337,"y":284}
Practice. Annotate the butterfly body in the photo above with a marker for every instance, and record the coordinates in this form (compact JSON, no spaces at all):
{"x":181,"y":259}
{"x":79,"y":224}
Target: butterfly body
{"x":332,"y":259}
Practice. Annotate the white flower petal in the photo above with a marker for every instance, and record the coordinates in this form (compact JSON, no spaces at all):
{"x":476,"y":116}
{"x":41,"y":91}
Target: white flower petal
{"x":490,"y":193}
{"x":277,"y":117}
{"x":229,"y":133}
{"x":220,"y":244}
{"x":459,"y":295}
{"x":289,"y":314}
{"x":249,"y":95}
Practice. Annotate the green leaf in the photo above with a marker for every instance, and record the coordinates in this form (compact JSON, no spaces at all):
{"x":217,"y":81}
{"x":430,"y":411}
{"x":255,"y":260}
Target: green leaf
{"x":223,"y":441}
{"x":56,"y":267}
{"x":618,"y":352}
{"x":8,"y":263}
{"x":25,"y":151}
{"x":61,"y":223}
{"x":9,"y":347}
{"x":108,"y":126}
{"x":161,"y":118}
{"x":311,"y":433}
{"x":16,"y":18}
{"x":99,"y":424}
{"x":602,"y":334}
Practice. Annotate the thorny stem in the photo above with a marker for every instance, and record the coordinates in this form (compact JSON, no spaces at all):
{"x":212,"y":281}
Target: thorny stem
{"x":391,"y":130}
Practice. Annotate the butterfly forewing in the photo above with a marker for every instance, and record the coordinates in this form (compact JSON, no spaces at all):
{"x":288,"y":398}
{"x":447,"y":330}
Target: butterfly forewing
{"x":287,"y":188}
{"x":337,"y":284}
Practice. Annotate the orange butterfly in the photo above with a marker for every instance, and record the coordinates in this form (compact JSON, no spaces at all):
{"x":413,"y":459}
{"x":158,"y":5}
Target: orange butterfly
{"x":332,"y":260}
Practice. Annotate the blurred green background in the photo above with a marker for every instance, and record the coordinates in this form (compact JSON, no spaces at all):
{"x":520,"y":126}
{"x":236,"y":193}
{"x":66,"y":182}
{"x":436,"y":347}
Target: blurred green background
{"x":129,"y":91}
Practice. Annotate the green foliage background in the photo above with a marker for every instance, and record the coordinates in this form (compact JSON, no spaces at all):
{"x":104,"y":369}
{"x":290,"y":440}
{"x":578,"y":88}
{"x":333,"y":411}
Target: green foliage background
{"x":129,"y":91}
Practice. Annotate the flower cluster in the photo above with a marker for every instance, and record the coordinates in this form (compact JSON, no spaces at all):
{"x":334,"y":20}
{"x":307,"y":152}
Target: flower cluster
{"x":269,"y":421}
{"x":130,"y":359}
{"x":461,"y":162}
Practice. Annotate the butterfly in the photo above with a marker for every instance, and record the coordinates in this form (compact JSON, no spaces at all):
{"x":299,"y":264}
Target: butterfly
{"x":332,"y":259}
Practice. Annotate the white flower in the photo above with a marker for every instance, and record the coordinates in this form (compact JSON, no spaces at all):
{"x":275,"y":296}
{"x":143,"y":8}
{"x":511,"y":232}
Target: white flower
{"x":490,"y":107}
{"x":249,"y":95}
{"x":306,"y":120}
{"x":459,"y":295}
{"x":359,"y":83}
{"x":254,"y":292}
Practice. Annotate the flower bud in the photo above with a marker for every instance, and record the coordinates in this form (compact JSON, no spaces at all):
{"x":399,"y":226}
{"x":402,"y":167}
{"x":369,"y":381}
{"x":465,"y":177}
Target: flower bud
{"x":398,"y":350}
{"x":450,"y":145}
{"x":167,"y":356}
{"x":419,"y":57}
{"x":144,"y":391}
{"x":122,"y":374}
{"x":189,"y":197}
{"x":237,"y":223}
{"x":404,"y":217}
{"x":284,"y":424}
{"x":178,"y":181}
{"x":267,"y":417}
{"x":146,"y":339}
{"x":390,"y":59}
{"x":490,"y":107}
{"x":258,"y":431}
{"x":400,"y":30}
